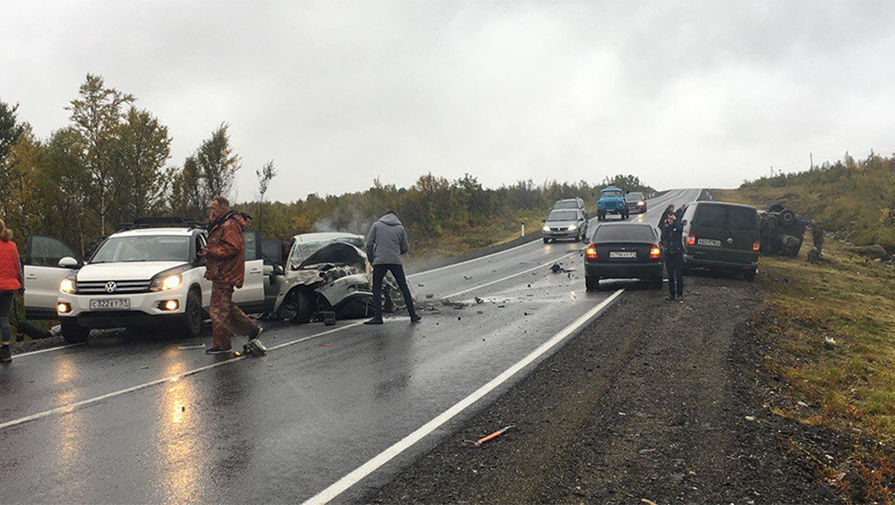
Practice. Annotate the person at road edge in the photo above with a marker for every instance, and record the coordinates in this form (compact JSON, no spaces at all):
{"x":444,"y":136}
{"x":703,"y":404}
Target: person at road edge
{"x":225,"y":268}
{"x":386,"y":243}
{"x":10,"y":284}
{"x":673,"y":245}
{"x":668,"y":210}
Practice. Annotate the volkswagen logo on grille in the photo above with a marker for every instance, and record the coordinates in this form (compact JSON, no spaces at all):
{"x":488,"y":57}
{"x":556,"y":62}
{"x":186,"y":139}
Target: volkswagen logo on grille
{"x":111,"y":287}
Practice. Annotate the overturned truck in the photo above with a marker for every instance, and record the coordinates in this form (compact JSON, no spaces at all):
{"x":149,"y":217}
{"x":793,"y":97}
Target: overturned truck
{"x":782,"y":231}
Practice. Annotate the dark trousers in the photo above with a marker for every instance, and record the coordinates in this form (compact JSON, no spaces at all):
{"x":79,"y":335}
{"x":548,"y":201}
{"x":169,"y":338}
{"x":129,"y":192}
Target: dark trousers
{"x":5,"y":304}
{"x":674,"y":264}
{"x":379,"y":272}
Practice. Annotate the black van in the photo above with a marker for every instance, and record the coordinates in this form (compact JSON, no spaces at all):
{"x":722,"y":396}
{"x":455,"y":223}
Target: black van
{"x":721,"y":236}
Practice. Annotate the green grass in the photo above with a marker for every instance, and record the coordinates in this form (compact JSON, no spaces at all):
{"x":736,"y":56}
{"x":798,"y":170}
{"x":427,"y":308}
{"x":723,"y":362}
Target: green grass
{"x":831,"y":331}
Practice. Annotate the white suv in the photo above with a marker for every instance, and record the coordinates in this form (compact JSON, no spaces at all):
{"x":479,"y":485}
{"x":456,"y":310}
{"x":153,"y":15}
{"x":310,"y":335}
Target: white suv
{"x":149,"y":275}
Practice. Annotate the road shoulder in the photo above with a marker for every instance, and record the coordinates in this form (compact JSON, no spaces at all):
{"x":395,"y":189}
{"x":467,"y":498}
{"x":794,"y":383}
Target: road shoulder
{"x":654,"y":400}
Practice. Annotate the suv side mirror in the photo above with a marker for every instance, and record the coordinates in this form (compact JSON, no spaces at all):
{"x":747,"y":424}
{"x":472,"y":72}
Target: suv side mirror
{"x":278,"y":270}
{"x":69,"y":262}
{"x":683,"y":222}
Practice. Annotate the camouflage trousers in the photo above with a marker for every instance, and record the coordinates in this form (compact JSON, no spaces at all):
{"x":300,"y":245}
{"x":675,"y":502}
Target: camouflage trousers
{"x":226,"y":318}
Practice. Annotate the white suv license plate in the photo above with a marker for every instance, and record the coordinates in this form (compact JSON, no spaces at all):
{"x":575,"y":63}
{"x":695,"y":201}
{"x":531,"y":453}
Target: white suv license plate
{"x":709,"y":242}
{"x":622,"y":254}
{"x":110,"y":304}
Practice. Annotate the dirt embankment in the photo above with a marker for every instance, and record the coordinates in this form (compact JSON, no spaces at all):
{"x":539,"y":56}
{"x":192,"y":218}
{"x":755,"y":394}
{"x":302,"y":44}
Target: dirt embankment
{"x":655,"y":400}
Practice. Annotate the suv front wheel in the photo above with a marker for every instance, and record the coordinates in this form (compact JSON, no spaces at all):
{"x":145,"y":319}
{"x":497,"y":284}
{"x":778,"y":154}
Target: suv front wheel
{"x":191,"y":325}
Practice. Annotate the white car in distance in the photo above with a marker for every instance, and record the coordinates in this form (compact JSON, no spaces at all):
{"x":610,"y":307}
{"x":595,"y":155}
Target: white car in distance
{"x":147,"y":276}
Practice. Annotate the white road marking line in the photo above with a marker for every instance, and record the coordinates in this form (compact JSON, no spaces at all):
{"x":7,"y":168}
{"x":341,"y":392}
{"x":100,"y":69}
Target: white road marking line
{"x":387,"y":455}
{"x":89,"y":401}
{"x":517,"y":274}
{"x":663,"y":197}
{"x":472,"y":260}
{"x":57,"y":348}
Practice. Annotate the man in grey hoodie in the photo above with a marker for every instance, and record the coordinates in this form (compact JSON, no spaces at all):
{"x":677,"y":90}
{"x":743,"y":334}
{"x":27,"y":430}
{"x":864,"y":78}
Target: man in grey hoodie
{"x":386,"y":243}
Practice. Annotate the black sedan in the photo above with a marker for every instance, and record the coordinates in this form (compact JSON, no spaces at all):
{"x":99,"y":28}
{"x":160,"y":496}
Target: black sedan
{"x":623,"y":251}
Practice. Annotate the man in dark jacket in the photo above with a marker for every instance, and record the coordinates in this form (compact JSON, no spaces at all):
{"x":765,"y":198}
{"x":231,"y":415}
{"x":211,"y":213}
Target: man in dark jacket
{"x":225,"y":268}
{"x":680,"y":211}
{"x":386,"y":243}
{"x":668,"y":210}
{"x":673,"y":248}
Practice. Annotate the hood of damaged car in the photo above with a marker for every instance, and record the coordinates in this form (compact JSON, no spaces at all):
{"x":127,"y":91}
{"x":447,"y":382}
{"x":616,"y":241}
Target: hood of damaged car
{"x":337,"y":253}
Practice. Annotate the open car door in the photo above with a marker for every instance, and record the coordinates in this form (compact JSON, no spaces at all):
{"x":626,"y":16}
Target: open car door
{"x":272,"y":251}
{"x":43,"y":275}
{"x":250,"y":297}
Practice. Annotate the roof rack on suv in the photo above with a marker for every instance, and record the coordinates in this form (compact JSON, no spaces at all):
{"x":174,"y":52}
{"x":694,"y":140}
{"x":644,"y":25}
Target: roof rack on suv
{"x":161,"y":222}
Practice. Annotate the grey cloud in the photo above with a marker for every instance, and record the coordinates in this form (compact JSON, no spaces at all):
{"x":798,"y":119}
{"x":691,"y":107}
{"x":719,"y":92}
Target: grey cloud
{"x":680,"y":93}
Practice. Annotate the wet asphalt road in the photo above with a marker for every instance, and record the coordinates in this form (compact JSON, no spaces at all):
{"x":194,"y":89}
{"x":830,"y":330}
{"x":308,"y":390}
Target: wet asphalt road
{"x":130,"y":419}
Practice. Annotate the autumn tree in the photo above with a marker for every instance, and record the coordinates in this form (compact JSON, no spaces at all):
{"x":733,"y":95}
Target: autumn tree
{"x":96,"y":116}
{"x":143,"y":148}
{"x":217,"y":163}
{"x":265,"y":177}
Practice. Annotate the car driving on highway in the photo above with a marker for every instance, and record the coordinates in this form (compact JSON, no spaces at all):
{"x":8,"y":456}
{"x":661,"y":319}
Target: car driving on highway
{"x":571,"y":203}
{"x":148,"y":274}
{"x":623,"y":251}
{"x":636,"y":202}
{"x":721,"y":236}
{"x":565,"y":224}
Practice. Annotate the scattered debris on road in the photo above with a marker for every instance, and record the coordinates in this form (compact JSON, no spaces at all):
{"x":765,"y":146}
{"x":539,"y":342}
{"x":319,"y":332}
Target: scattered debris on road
{"x":490,"y":437}
{"x":189,"y":347}
{"x":557,"y":268}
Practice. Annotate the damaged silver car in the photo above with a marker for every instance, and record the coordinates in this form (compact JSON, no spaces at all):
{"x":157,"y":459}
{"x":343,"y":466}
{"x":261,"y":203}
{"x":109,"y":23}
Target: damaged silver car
{"x":333,"y":280}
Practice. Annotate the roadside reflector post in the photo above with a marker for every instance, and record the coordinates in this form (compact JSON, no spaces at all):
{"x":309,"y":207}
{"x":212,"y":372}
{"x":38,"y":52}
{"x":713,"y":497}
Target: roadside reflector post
{"x":523,"y":229}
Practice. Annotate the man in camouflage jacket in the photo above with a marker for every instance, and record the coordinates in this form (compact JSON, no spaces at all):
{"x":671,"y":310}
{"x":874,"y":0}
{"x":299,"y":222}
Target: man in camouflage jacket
{"x":225,"y":268}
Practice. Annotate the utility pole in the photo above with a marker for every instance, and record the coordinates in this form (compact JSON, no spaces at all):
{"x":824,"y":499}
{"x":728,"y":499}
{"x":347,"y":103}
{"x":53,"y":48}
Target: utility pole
{"x":811,"y":161}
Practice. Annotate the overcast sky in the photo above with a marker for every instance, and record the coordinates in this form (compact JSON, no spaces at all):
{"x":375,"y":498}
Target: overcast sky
{"x":336,"y":93}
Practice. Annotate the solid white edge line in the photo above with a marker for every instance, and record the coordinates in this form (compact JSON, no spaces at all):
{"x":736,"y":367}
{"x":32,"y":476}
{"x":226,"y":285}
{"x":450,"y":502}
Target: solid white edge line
{"x":517,"y":274}
{"x":346,"y":482}
{"x":172,"y":378}
{"x":57,"y":348}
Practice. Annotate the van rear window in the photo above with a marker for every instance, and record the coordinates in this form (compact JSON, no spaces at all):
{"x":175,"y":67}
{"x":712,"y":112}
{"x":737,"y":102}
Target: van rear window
{"x":711,"y":216}
{"x":742,"y":219}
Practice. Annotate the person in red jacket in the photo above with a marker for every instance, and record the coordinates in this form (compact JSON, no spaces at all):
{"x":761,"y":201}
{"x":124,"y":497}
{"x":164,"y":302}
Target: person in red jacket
{"x":10,"y":283}
{"x":225,"y":268}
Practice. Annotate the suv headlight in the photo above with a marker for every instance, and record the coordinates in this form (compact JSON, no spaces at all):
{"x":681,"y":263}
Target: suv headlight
{"x":68,"y":285}
{"x":546,"y":228}
{"x":166,"y":283}
{"x":573,"y":226}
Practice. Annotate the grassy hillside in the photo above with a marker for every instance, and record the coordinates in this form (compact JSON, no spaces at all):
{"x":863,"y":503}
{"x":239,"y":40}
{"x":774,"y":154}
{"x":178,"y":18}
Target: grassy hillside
{"x":855,"y":199}
{"x":829,"y":328}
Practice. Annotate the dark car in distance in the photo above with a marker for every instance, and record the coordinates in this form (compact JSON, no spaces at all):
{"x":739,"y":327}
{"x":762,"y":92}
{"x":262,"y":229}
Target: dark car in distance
{"x":623,"y":251}
{"x":722,"y":237}
{"x":636,"y":203}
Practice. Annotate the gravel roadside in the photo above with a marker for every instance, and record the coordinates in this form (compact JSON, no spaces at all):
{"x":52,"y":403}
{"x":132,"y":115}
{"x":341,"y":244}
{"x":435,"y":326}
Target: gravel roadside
{"x":655,"y":400}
